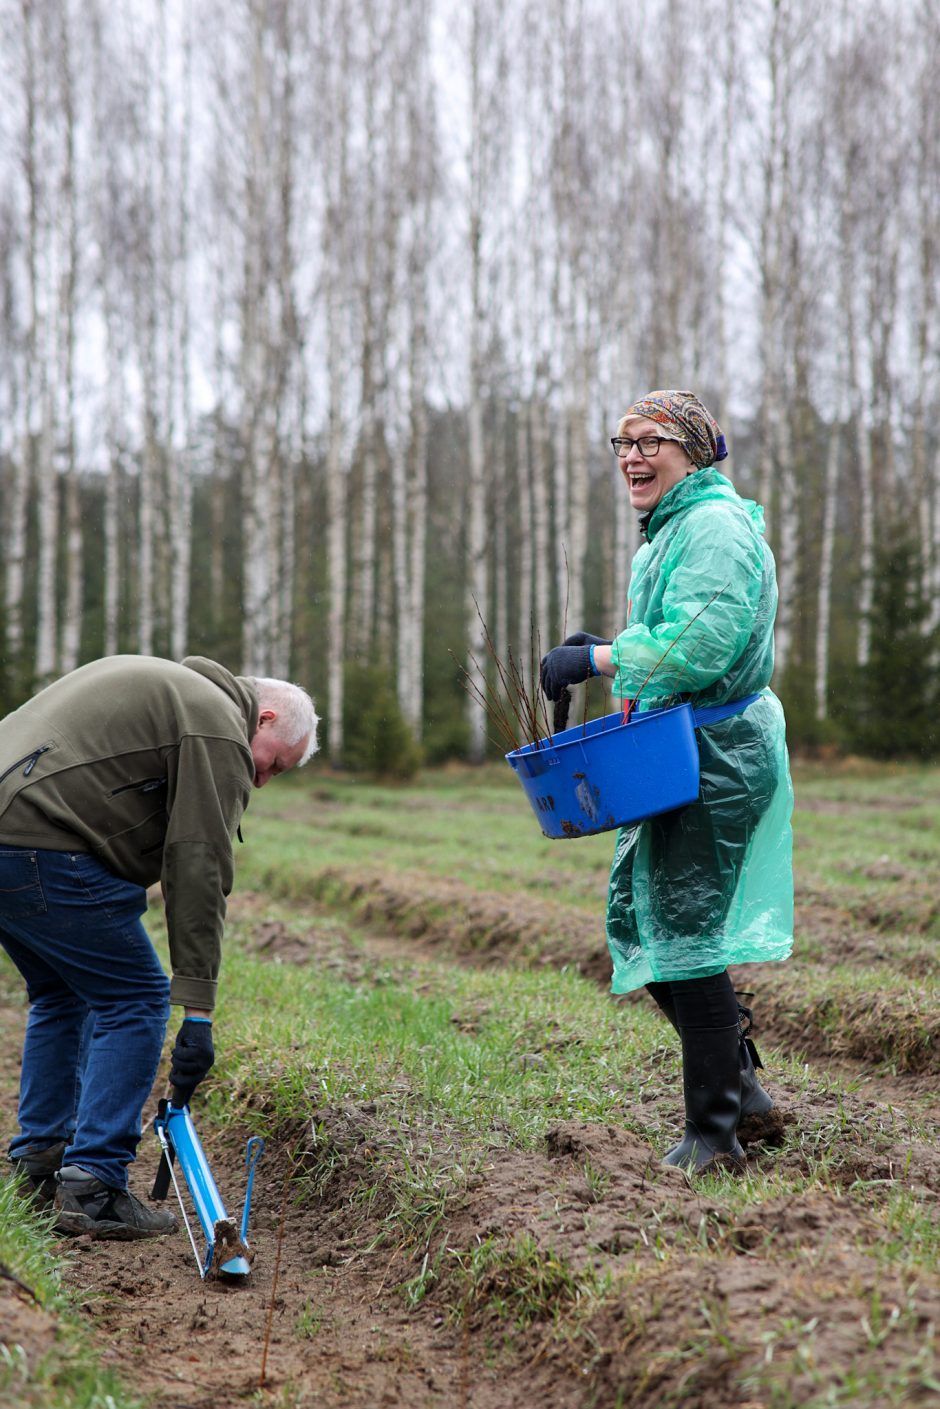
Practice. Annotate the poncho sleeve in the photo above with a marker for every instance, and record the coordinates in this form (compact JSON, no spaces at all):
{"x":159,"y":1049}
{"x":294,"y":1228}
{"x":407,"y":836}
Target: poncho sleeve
{"x":709,"y":598}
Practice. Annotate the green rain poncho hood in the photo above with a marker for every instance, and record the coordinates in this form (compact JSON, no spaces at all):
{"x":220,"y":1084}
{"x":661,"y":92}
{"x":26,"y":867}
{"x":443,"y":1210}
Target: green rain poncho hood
{"x":711,"y":884}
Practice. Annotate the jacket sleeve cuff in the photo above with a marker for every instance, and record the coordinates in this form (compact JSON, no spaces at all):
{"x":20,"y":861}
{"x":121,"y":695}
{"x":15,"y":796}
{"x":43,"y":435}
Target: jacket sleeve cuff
{"x":617,"y":685}
{"x":193,"y":992}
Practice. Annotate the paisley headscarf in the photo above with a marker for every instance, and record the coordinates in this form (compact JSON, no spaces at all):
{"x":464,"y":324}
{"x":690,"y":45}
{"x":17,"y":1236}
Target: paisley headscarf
{"x":684,"y":416}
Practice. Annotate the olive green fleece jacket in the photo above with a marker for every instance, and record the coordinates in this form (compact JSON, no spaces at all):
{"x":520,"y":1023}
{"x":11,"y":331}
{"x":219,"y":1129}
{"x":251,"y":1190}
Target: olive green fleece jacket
{"x":145,"y":764}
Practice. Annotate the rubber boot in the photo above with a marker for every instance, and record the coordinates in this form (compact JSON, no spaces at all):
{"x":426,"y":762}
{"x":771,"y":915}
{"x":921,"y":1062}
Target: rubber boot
{"x":711,"y":1085}
{"x":755,"y":1101}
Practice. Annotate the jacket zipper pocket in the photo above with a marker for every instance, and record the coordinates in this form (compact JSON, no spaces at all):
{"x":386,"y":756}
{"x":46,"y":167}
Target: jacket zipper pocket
{"x":146,"y":785}
{"x":30,"y":760}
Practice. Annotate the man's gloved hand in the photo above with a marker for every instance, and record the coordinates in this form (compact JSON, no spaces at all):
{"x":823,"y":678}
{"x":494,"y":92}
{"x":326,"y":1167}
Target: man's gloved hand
{"x":192,"y":1058}
{"x":565,"y":665}
{"x":584,"y":638}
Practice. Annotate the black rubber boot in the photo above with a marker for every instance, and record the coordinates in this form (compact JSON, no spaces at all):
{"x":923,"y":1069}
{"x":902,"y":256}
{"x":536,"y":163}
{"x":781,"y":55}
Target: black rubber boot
{"x":711,"y":1084}
{"x":39,"y":1163}
{"x":755,"y":1101}
{"x":85,"y":1205}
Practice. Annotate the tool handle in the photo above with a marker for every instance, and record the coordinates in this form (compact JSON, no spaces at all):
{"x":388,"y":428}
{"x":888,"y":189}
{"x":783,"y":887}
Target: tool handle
{"x":253,"y":1152}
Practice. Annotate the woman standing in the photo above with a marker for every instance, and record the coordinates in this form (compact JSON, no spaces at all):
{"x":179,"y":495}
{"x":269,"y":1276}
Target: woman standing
{"x":710,"y":884}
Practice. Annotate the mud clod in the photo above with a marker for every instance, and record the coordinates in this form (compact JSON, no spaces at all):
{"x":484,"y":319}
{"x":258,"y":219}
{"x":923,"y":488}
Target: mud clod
{"x":769,"y":1128}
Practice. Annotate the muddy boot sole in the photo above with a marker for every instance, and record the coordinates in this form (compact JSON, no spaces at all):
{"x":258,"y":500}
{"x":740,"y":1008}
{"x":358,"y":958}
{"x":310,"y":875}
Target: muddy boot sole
{"x":76,"y":1225}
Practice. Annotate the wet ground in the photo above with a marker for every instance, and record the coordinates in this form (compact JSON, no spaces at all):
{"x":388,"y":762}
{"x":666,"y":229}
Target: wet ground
{"x":577,"y":1297}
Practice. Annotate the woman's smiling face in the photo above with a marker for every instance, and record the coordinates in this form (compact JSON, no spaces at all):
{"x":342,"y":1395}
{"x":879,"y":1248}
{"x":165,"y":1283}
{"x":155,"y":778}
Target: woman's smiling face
{"x":649,"y":479}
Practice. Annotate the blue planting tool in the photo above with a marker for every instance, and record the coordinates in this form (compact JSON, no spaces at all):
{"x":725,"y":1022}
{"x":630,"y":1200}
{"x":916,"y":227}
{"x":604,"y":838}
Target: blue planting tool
{"x":227,"y":1251}
{"x":253,"y":1152}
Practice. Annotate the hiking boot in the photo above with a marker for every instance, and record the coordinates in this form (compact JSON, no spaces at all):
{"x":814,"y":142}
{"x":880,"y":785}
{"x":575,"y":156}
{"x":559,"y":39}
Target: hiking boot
{"x":85,"y":1205}
{"x":39,"y":1164}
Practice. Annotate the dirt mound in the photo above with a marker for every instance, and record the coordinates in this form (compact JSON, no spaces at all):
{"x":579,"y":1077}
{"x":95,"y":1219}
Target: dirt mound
{"x":805,"y":1010}
{"x":479,"y":927}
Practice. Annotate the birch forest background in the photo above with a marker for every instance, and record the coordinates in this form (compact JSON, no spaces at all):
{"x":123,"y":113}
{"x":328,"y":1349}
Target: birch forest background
{"x":316,"y":317}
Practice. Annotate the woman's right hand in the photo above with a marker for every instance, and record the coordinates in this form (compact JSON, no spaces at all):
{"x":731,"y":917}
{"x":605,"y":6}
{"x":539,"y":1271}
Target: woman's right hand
{"x":563,"y":667}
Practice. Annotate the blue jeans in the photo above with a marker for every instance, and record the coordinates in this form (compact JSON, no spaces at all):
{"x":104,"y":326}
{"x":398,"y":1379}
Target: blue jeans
{"x":99,"y":1003}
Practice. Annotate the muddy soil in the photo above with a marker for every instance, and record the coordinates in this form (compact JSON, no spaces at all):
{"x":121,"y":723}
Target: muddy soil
{"x":579,"y":1274}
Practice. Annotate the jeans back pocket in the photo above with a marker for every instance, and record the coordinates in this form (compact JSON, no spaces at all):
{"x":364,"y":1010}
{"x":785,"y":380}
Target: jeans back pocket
{"x":20,"y":887}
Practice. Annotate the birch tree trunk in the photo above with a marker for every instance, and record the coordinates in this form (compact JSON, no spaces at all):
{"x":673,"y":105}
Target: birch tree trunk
{"x":290,"y":378}
{"x":578,"y":422}
{"x":106,"y":279}
{"x":148,"y":493}
{"x":927,"y":468}
{"x":524,"y":623}
{"x":336,"y":507}
{"x":729,"y":99}
{"x":824,"y":594}
{"x":418,"y":501}
{"x":402,"y":594}
{"x":72,"y":614}
{"x":538,"y":440}
{"x":866,"y":490}
{"x":421,"y":186}
{"x":180,"y":478}
{"x":476,"y":569}
{"x":364,"y":584}
{"x":336,"y":230}
{"x":22,"y":472}
{"x":500,"y":489}
{"x":260,"y":411}
{"x":48,"y":506}
{"x":47,"y":476}
{"x":777,"y":238}
{"x":418,"y":495}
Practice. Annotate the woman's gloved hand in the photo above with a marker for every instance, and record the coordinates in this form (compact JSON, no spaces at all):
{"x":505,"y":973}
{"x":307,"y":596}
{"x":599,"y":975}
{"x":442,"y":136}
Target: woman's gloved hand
{"x":584,"y":638}
{"x":193,"y":1057}
{"x":564,"y":666}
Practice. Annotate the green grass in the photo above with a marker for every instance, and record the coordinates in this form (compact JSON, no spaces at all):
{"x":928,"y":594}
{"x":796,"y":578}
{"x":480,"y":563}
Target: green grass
{"x":407,"y":1073}
{"x":542,"y":1045}
{"x":67,"y":1375}
{"x":868,"y":885}
{"x":476,"y":825}
{"x":472,"y":827}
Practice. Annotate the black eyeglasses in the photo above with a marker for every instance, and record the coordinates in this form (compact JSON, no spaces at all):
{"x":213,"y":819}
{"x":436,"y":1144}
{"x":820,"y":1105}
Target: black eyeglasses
{"x":648,"y":445}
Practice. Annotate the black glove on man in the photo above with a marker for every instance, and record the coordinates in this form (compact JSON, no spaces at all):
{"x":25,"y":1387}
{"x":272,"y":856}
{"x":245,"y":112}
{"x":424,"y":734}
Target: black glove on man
{"x":192,"y":1058}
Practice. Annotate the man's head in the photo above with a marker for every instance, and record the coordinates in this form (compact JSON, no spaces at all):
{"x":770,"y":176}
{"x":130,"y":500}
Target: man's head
{"x":286,"y":736}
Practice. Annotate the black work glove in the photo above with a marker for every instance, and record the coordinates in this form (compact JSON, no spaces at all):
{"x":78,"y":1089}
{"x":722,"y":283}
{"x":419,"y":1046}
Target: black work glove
{"x":564,"y":666}
{"x":584,"y":638}
{"x":192,"y":1058}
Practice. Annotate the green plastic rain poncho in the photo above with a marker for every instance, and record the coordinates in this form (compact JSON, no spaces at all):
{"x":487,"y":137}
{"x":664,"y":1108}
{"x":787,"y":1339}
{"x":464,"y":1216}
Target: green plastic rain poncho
{"x":711,"y":884}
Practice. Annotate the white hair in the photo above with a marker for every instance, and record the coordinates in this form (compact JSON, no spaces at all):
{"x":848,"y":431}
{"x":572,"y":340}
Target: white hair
{"x":296,"y":715}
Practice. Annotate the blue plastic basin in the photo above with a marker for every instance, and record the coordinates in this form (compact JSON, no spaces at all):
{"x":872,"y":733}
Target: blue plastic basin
{"x":608,"y":774}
